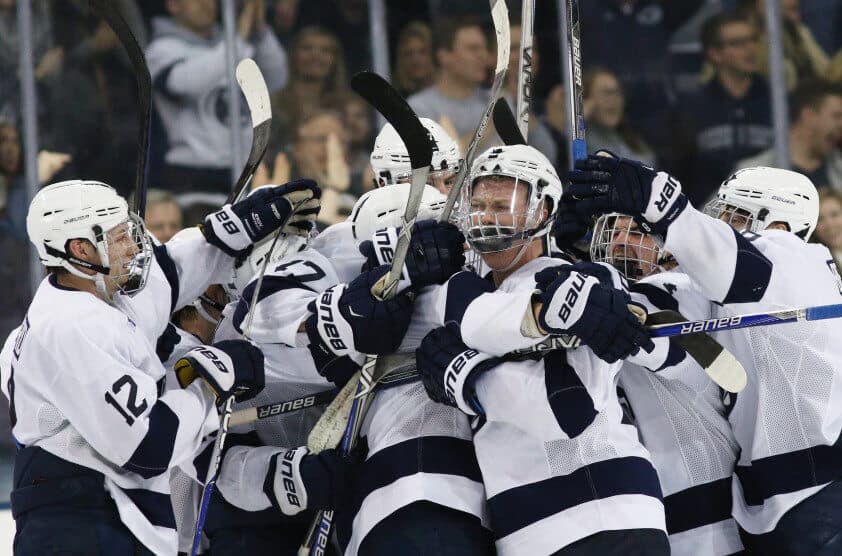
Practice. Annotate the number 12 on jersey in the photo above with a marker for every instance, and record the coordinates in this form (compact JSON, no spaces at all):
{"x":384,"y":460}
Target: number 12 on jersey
{"x":131,"y":402}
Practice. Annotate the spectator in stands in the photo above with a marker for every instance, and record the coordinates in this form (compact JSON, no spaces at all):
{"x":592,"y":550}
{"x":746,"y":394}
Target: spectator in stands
{"x":815,"y":127}
{"x":187,"y":60}
{"x":555,"y":117}
{"x":803,"y":57}
{"x":357,"y":118}
{"x":539,"y":135}
{"x":317,"y":80}
{"x":163,"y":216}
{"x":727,"y":120}
{"x":829,"y":228}
{"x":462,"y":54}
{"x":414,"y":67}
{"x":607,"y":127}
{"x":14,"y":202}
{"x":284,"y":19}
{"x":320,"y":152}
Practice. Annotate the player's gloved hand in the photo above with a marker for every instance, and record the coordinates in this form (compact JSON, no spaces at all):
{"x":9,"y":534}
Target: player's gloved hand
{"x":450,"y":369}
{"x":230,"y":367}
{"x":609,"y":184}
{"x":235,"y":228}
{"x":293,"y":480}
{"x":436,"y":252}
{"x":571,"y":225}
{"x":348,"y":320}
{"x":576,"y":303}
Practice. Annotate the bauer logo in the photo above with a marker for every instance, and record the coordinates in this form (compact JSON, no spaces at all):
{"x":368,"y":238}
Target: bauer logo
{"x":288,"y":482}
{"x":286,"y":407}
{"x":451,"y":375}
{"x":710,"y":325}
{"x":77,"y":218}
{"x":572,"y":296}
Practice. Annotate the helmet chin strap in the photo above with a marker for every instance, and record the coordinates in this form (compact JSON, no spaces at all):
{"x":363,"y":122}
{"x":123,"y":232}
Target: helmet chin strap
{"x":200,"y":308}
{"x":517,"y":258}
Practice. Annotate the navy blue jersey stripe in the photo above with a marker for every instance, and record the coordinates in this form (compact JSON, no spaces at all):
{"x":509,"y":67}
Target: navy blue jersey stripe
{"x":462,"y":289}
{"x":656,"y":296}
{"x":270,"y":285}
{"x":152,"y":456}
{"x":519,"y":507}
{"x":570,"y":401}
{"x":427,"y":454}
{"x":698,"y":506}
{"x":675,"y":355}
{"x":751,"y":275}
{"x":170,"y":273}
{"x":790,"y":472}
{"x":159,"y":83}
{"x":156,"y":507}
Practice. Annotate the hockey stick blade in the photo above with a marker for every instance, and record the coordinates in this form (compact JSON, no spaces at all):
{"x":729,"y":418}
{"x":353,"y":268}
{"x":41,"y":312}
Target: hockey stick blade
{"x":718,"y":363}
{"x":506,"y":124}
{"x":107,"y":9}
{"x":500,"y":18}
{"x":254,"y":88}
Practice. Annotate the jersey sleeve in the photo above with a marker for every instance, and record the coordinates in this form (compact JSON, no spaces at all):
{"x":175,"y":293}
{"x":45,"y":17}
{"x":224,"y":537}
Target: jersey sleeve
{"x":117,"y":408}
{"x":724,"y":263}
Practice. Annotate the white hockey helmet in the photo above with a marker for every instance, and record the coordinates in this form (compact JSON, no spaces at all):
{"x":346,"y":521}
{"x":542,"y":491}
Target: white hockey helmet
{"x":754,"y":198}
{"x":390,"y":159}
{"x":515,"y":225}
{"x":383,"y":207}
{"x":618,"y":241}
{"x":90,"y":210}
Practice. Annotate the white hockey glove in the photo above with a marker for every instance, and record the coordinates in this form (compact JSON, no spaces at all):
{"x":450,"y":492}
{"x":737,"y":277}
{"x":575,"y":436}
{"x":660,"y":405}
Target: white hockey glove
{"x":292,"y":480}
{"x":231,"y":367}
{"x":235,"y":228}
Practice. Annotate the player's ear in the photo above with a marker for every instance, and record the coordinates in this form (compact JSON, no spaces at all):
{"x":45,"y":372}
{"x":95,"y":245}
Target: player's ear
{"x":81,"y":249}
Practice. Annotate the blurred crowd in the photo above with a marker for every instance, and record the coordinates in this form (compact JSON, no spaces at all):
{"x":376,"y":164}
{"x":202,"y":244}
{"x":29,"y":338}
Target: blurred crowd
{"x":683,"y":84}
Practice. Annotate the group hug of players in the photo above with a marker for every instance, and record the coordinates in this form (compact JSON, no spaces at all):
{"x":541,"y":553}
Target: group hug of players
{"x":545,"y":420}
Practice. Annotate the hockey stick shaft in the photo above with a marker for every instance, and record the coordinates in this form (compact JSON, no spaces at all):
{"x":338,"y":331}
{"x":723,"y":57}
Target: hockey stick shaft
{"x":525,"y":78}
{"x":500,"y":17}
{"x":267,"y":411}
{"x":569,"y":10}
{"x":107,"y":9}
{"x":254,"y":88}
{"x":819,"y":312}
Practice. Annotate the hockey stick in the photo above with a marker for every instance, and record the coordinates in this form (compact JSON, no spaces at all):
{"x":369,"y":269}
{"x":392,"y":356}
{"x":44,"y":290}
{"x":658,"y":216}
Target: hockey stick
{"x":382,"y":96}
{"x":500,"y":17}
{"x":506,"y":124}
{"x":269,"y":410}
{"x":109,"y":12}
{"x":524,"y":78}
{"x":569,"y":11}
{"x":256,"y":92}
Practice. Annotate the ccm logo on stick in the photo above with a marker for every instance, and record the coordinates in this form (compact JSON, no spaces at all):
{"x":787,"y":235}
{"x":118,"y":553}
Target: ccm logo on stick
{"x":712,"y":324}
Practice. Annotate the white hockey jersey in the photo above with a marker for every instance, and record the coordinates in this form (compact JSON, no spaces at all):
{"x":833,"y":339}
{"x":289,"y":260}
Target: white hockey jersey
{"x":788,"y":419}
{"x":85,"y":384}
{"x":418,"y":450}
{"x":557,"y":462}
{"x":681,"y":419}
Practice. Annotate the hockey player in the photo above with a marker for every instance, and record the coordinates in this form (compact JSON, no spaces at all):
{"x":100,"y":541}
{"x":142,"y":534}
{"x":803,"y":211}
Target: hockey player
{"x":97,"y":435}
{"x":678,"y":411}
{"x":787,"y":489}
{"x":562,"y":474}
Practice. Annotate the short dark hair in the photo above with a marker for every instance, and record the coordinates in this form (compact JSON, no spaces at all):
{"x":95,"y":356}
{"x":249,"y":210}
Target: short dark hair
{"x":810,"y":94}
{"x":444,"y":35}
{"x":711,"y":29}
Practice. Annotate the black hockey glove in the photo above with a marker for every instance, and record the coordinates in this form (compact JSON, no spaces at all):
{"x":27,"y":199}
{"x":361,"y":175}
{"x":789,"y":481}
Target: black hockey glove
{"x":436,"y":252}
{"x":230,"y":367}
{"x":602,"y":184}
{"x":235,"y":228}
{"x":576,"y":303}
{"x":348,"y":320}
{"x":450,"y":369}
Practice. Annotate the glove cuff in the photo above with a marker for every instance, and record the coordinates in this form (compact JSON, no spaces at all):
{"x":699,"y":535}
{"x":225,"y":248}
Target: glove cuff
{"x":458,"y":375}
{"x":283,"y":485}
{"x":222,"y":229}
{"x":331,"y":327}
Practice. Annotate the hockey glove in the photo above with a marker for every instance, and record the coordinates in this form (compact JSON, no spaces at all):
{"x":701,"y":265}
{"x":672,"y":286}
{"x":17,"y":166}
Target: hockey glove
{"x":436,"y":252}
{"x":348,"y":320}
{"x":601,"y":184}
{"x":450,"y":369}
{"x":293,"y":480}
{"x":598,"y":314}
{"x":230,"y":367}
{"x":235,"y":228}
